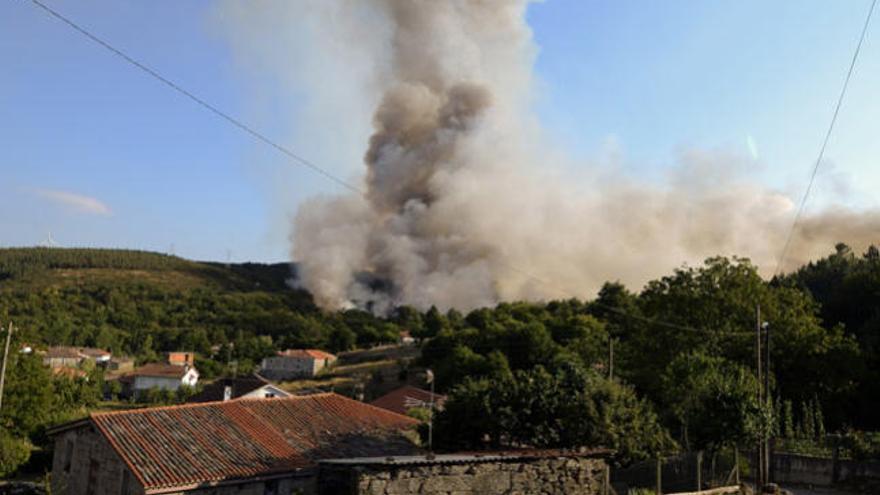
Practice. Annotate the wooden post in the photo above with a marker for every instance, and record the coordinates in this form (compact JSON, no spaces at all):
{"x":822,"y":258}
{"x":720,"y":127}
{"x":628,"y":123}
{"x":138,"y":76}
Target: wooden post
{"x":5,"y":358}
{"x":699,"y":470}
{"x":659,"y":476}
{"x":736,"y":465}
{"x":607,"y":480}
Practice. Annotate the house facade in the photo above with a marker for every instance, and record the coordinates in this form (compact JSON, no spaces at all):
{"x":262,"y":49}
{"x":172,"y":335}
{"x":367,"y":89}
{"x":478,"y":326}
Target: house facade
{"x":159,"y":376}
{"x":242,"y":447}
{"x":296,"y":363}
{"x":73,"y":357}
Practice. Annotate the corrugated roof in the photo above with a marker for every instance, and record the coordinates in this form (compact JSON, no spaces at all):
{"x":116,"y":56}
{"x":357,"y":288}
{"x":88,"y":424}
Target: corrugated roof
{"x":401,"y":400}
{"x":212,"y":442}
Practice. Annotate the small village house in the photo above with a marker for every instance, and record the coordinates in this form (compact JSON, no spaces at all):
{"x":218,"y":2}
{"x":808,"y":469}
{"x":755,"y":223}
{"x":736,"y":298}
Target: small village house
{"x":296,"y":363}
{"x":405,"y":338}
{"x":73,"y":357}
{"x":158,"y":376}
{"x":401,"y":400}
{"x":245,"y":387}
{"x":181,"y":358}
{"x":244,"y":446}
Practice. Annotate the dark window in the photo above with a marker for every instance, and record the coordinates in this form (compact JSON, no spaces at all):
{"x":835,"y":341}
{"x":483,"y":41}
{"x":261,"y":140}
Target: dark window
{"x":68,"y":455}
{"x":126,"y":482}
{"x":271,"y":488}
{"x":93,"y":476}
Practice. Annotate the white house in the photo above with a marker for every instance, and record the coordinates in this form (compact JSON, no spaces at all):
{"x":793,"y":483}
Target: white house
{"x":161,"y":376}
{"x":296,"y":363}
{"x":242,"y":387}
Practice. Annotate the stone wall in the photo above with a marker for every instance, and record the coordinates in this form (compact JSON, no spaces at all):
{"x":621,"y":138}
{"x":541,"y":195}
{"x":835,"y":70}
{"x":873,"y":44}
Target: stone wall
{"x":84,"y":463}
{"x":570,"y":475}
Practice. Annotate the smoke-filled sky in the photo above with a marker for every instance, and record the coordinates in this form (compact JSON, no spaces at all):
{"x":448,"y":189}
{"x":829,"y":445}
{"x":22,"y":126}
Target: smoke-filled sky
{"x":577,"y":141}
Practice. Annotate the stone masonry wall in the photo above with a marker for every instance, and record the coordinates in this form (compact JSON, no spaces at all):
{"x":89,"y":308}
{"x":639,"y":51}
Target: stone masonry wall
{"x":551,"y":476}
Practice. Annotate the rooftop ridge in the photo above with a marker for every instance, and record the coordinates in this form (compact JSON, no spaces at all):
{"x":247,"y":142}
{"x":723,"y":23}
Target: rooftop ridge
{"x":144,"y":410}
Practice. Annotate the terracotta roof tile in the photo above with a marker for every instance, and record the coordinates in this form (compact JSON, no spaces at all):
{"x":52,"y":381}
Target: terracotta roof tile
{"x":218,"y":441}
{"x":306,"y":353}
{"x":403,"y":399}
{"x":159,"y":369}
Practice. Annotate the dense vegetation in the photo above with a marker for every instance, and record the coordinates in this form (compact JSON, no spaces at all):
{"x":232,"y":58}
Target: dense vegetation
{"x":517,"y":374}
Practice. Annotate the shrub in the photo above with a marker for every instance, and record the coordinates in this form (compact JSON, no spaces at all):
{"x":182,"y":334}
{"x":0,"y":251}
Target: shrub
{"x":14,"y":452}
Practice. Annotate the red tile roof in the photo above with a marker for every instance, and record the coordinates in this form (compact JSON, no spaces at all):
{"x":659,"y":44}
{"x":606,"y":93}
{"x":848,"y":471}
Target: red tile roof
{"x":403,"y":399}
{"x":160,"y":370}
{"x":191,"y":444}
{"x":307,"y":353}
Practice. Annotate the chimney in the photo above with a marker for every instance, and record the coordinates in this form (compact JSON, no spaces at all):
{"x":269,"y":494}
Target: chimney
{"x":227,"y":393}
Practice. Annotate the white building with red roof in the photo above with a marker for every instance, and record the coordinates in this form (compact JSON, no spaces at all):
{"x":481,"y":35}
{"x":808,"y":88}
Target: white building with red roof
{"x":296,"y":363}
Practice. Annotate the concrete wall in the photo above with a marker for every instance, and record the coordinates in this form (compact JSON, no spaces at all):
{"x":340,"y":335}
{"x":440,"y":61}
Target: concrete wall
{"x":550,"y":476}
{"x":84,"y":463}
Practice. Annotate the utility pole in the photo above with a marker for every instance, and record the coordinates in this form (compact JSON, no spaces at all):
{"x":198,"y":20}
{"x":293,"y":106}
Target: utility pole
{"x":429,"y":375}
{"x":767,"y":398}
{"x":5,"y":359}
{"x":760,"y":450}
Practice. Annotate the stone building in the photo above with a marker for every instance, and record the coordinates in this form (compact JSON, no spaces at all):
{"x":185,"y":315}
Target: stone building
{"x":296,"y":363}
{"x":549,"y":472}
{"x":242,"y":447}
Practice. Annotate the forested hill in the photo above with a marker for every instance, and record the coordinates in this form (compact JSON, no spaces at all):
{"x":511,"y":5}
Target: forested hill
{"x":142,"y":303}
{"x":40,"y":267}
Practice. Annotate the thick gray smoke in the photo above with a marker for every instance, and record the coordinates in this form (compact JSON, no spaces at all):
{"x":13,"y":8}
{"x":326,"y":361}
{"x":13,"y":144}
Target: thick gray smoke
{"x":462,"y":204}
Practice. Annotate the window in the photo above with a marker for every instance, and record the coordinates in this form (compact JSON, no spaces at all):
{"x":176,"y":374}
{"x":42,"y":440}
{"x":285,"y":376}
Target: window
{"x":68,"y":455}
{"x":126,"y":482}
{"x":270,"y":488}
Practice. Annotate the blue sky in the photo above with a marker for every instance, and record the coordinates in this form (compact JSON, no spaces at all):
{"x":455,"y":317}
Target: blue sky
{"x":98,"y":154}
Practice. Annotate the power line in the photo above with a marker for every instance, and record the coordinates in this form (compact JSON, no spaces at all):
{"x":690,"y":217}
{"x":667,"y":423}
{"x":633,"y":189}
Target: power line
{"x":216,"y":111}
{"x":262,"y":138}
{"x":803,"y":203}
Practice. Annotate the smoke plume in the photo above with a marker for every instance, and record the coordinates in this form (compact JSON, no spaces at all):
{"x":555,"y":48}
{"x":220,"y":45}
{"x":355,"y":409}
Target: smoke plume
{"x":463,"y":205}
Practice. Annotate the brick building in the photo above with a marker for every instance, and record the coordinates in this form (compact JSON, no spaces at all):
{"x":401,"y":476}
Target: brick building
{"x":242,"y":447}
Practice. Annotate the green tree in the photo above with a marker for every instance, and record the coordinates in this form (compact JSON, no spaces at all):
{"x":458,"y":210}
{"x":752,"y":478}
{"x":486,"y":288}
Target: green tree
{"x":567,"y":408}
{"x":14,"y":452}
{"x":714,"y":400}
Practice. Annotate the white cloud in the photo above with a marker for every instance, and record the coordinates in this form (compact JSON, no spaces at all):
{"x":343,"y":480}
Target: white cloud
{"x":75,"y":202}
